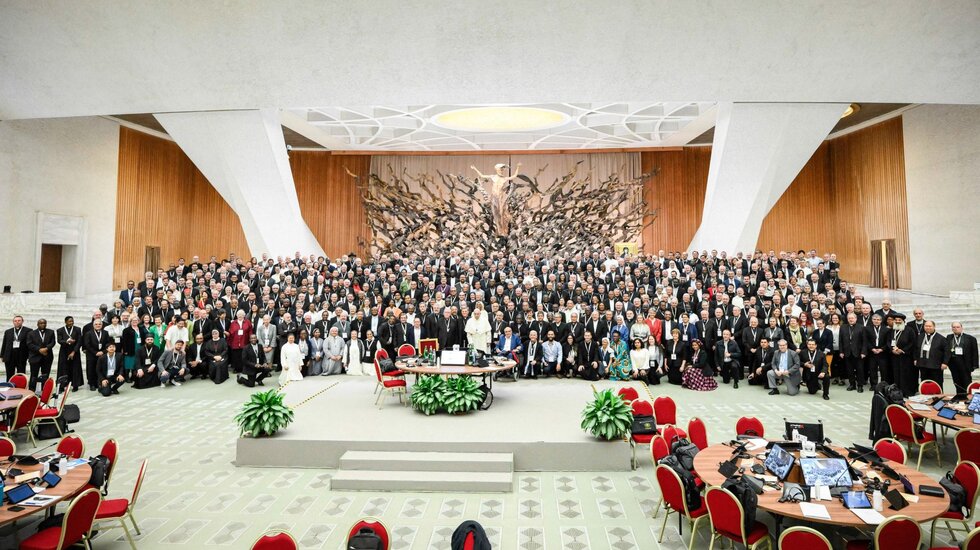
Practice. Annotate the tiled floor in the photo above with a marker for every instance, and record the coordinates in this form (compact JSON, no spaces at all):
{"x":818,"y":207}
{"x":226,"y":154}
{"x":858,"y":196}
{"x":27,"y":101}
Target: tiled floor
{"x":194,"y":497}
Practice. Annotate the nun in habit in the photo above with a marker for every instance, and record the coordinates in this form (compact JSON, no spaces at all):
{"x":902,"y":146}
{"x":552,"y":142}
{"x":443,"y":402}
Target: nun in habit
{"x":333,"y":353}
{"x":291,"y":359}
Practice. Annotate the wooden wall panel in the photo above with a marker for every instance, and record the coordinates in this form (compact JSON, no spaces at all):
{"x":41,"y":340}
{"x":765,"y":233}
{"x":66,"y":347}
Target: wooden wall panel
{"x":163,"y":200}
{"x":676,"y":194}
{"x":329,"y":200}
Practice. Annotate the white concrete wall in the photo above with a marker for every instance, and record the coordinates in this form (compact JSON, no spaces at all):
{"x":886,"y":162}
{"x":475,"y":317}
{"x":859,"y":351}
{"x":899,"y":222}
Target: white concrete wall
{"x":58,"y":182}
{"x":942,"y":178}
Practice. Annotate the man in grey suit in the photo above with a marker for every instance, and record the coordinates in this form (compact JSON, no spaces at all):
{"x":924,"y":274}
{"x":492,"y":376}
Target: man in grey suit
{"x":173,"y":365}
{"x":786,"y":367}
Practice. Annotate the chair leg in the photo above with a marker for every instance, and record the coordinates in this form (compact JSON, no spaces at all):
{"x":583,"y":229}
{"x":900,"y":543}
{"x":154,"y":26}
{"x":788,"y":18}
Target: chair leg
{"x":932,"y":534}
{"x":129,"y":537}
{"x":656,"y":509}
{"x":133,"y":519}
{"x":712,"y":545}
{"x":694,"y":528}
{"x":939,"y":459}
{"x":918,"y":464}
{"x":663,"y":526}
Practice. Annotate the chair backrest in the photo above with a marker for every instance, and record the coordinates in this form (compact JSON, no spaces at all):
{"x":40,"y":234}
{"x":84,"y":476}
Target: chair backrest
{"x":373,"y":524}
{"x":900,"y":423}
{"x":72,"y":446}
{"x":898,"y":533}
{"x":628,"y":394}
{"x":110,"y":450}
{"x":968,"y":474}
{"x":62,"y":400}
{"x":890,"y":449}
{"x":659,"y":448}
{"x":406,"y":350}
{"x":79,"y":517}
{"x":426,"y":344}
{"x":725,"y":511}
{"x":972,"y":541}
{"x":928,"y":387}
{"x":665,"y":409}
{"x":377,"y":370}
{"x":139,"y":483}
{"x":46,"y":390}
{"x":967,"y":445}
{"x":669,"y":433}
{"x":641,"y":408}
{"x":750,"y":425}
{"x":7,"y":446}
{"x":672,"y":489}
{"x":19,"y":381}
{"x":381,"y":354}
{"x":803,"y":538}
{"x":698,"y":433}
{"x":275,"y":540}
{"x":974,"y":386}
{"x":25,"y":412}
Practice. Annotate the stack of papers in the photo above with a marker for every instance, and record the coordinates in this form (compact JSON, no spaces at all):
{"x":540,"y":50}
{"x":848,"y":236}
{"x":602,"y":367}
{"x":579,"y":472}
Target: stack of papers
{"x":755,"y":444}
{"x":868,"y":515}
{"x":815,"y":511}
{"x":919,"y":407}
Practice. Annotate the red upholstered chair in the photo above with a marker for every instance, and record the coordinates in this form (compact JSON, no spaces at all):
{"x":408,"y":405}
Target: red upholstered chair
{"x":895,"y":533}
{"x":389,"y":386}
{"x":750,"y":425}
{"x":118,"y":509}
{"x":640,"y":408}
{"x":379,"y":355}
{"x":406,"y":350}
{"x":47,"y":389}
{"x":23,"y":418}
{"x":728,"y":521}
{"x":972,"y":541}
{"x":275,"y":540}
{"x":110,"y":450}
{"x":967,"y":446}
{"x":658,"y":450}
{"x":803,"y":538}
{"x":427,"y":344}
{"x":903,"y":428}
{"x":665,"y":410}
{"x":75,"y":527}
{"x":373,"y":524}
{"x":18,"y":381}
{"x":669,"y":431}
{"x":52,"y":414}
{"x":968,"y":474}
{"x":675,"y":500}
{"x":7,"y":447}
{"x":71,"y":446}
{"x":928,"y":387}
{"x":698,"y":433}
{"x":890,"y":449}
{"x":628,"y":394}
{"x":973,"y":387}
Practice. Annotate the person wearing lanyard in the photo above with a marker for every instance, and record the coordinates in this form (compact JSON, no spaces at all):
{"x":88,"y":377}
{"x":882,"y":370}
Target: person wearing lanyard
{"x":879,"y":338}
{"x":110,"y":371}
{"x":931,"y":355}
{"x":14,"y":349}
{"x":962,"y":357}
{"x":815,"y":369}
{"x":69,"y":339}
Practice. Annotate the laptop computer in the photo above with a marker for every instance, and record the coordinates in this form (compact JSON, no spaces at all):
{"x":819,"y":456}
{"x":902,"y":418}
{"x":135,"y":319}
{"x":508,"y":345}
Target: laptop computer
{"x":779,"y":462}
{"x":829,"y":472}
{"x":453,"y":357}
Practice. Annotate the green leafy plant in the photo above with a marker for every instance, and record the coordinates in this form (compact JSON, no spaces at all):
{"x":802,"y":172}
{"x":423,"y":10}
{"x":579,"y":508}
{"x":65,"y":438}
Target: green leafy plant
{"x":427,"y":394}
{"x":462,"y":394}
{"x":263,"y":414}
{"x":607,"y":416}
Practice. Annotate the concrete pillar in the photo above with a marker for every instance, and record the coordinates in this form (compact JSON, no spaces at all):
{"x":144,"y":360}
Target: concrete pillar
{"x":758,"y":149}
{"x":243,"y":155}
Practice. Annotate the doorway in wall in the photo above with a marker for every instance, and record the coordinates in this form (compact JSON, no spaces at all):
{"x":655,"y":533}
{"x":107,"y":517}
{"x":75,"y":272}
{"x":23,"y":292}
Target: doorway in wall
{"x":151,"y":261}
{"x":884,"y":264}
{"x":50,"y":272}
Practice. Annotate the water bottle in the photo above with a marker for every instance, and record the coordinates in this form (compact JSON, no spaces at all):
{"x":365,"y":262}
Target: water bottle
{"x":876,"y":500}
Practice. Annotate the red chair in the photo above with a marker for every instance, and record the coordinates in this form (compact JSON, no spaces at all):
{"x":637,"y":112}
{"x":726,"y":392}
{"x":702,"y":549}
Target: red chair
{"x":52,"y":414}
{"x":628,"y":394}
{"x":658,"y":450}
{"x":378,"y":356}
{"x":406,"y":350}
{"x":71,"y":446}
{"x":75,"y":527}
{"x":803,"y":538}
{"x":47,"y":389}
{"x":928,"y":387}
{"x":640,"y":408}
{"x":669,"y":432}
{"x":968,"y":474}
{"x":275,"y":540}
{"x":18,"y":381}
{"x":675,"y":500}
{"x":973,"y":387}
{"x":427,"y":344}
{"x":972,"y":542}
{"x":967,"y":444}
{"x":373,"y":524}
{"x":750,"y":425}
{"x":389,"y":386}
{"x":903,"y":428}
{"x":118,"y":509}
{"x":665,"y":410}
{"x":23,"y":418}
{"x":7,"y":447}
{"x":110,"y":450}
{"x":895,"y":533}
{"x":890,"y":449}
{"x":728,"y":521}
{"x":698,"y":433}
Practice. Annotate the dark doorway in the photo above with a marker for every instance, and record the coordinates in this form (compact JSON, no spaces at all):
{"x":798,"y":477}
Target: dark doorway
{"x":50,"y":279}
{"x":151,"y":261}
{"x":884,"y":264}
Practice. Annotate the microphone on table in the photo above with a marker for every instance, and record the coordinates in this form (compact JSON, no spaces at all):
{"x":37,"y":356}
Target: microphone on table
{"x":25,"y":460}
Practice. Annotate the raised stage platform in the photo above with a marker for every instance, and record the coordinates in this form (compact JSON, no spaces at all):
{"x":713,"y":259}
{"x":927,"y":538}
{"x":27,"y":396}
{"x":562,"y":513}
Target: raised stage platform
{"x":536,"y":421}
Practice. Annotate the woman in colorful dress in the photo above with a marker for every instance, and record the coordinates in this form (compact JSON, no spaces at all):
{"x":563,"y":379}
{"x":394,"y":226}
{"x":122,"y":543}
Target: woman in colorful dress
{"x":696,"y":374}
{"x":620,"y":368}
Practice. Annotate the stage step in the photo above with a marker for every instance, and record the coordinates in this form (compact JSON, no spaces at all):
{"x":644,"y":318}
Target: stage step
{"x":427,"y":461}
{"x":421,"y":481}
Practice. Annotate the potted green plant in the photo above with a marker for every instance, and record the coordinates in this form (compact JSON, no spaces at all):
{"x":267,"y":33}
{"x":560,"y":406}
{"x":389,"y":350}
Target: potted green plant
{"x":427,"y":394}
{"x":462,"y":395}
{"x":607,"y":416}
{"x":264,"y":414}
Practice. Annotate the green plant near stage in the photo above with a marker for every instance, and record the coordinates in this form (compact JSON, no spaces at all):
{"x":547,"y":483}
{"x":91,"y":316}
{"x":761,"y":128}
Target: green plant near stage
{"x":427,"y":394}
{"x":462,"y":395}
{"x":608,"y":416}
{"x":263,"y":414}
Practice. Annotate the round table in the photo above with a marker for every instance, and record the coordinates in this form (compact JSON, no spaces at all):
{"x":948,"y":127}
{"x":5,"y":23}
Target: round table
{"x":72,"y":482}
{"x":706,"y":465}
{"x":461,"y":370}
{"x":958,"y":422}
{"x":11,"y":404}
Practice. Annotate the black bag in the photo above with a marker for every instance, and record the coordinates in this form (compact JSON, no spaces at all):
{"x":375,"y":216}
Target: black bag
{"x":365,"y":539}
{"x":53,"y":521}
{"x":685,"y":451}
{"x":71,"y":414}
{"x":100,"y":471}
{"x":691,"y":491}
{"x":480,"y":540}
{"x":387,"y":365}
{"x":644,"y":425}
{"x":956,"y":492}
{"x":745,"y":494}
{"x":48,"y":430}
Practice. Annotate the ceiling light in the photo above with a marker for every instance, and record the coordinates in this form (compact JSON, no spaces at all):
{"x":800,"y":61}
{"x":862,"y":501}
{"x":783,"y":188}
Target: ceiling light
{"x":851,"y":109}
{"x":500,"y":119}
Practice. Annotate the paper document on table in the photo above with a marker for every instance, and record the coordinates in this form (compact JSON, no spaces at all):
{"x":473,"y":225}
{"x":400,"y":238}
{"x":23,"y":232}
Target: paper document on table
{"x":910,"y":498}
{"x":39,"y":500}
{"x":920,"y":398}
{"x":755,"y":444}
{"x":919,"y":407}
{"x":820,"y":492}
{"x":815,"y":511}
{"x":868,"y":515}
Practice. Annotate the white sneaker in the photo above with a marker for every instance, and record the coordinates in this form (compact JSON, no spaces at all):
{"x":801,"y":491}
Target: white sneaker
{"x":163,"y":384}
{"x":174,"y":382}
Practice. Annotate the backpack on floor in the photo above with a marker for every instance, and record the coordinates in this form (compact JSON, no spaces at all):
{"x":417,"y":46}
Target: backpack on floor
{"x":744,"y":493}
{"x":685,"y":451}
{"x":71,"y":413}
{"x":365,"y":539}
{"x":480,"y":540}
{"x":691,"y":491}
{"x":50,"y":431}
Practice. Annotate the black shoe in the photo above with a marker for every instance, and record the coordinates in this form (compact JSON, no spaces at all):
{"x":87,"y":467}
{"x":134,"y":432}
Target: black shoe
{"x":535,"y":377}
{"x":735,"y":387}
{"x":860,"y":389}
{"x":259,"y":382}
{"x":115,"y":392}
{"x":91,"y":388}
{"x":851,"y":388}
{"x":774,"y":392}
{"x":240,"y":380}
{"x":826,"y":398}
{"x":75,"y":388}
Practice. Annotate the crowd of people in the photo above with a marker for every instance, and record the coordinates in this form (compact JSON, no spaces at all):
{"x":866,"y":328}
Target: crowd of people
{"x":767,"y":319}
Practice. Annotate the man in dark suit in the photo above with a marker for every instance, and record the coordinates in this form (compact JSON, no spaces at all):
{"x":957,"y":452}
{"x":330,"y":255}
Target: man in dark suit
{"x":879,"y":339}
{"x":69,"y":339}
{"x":759,"y":375}
{"x":532,"y":359}
{"x":255,"y":367}
{"x":94,"y":343}
{"x":40,"y":348}
{"x":815,"y":369}
{"x":853,"y":350}
{"x":387,"y":335}
{"x":13,"y":352}
{"x":195,"y":358}
{"x":450,"y":333}
{"x":415,"y":333}
{"x":931,"y":354}
{"x":110,"y":371}
{"x":576,"y":329}
{"x":728,"y":357}
{"x":126,"y":295}
{"x":962,"y":349}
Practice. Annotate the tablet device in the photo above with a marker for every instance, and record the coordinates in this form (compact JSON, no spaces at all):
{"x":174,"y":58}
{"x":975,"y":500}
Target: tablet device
{"x":20,"y":493}
{"x":855,"y":500}
{"x":51,"y":479}
{"x":779,"y":462}
{"x":974,"y":406}
{"x":947,"y":413}
{"x":939,"y":404}
{"x":976,"y":418}
{"x":829,"y":472}
{"x":896,"y":499}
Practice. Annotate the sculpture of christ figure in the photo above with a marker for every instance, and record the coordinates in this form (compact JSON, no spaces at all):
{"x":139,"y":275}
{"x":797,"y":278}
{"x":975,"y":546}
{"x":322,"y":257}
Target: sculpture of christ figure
{"x":499,"y":191}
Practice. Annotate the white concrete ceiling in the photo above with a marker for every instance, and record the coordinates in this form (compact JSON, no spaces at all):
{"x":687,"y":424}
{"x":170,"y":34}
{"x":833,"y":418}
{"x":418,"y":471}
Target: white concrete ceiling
{"x":63,"y":58}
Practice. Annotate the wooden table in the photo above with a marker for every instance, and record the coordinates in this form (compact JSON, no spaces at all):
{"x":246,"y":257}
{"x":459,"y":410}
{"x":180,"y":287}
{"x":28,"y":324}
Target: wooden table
{"x":958,"y":422}
{"x":461,"y":370}
{"x":72,"y":483}
{"x":706,"y":465}
{"x":11,"y":404}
